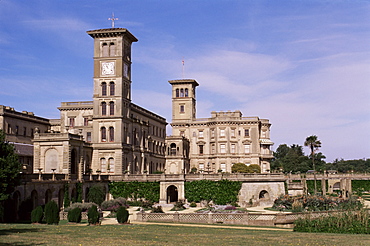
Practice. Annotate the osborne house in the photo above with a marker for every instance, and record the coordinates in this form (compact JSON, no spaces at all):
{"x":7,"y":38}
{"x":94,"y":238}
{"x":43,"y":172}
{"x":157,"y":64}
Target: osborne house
{"x":112,"y":138}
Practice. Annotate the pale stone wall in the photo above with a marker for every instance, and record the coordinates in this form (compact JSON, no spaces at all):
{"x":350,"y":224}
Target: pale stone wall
{"x":251,"y":191}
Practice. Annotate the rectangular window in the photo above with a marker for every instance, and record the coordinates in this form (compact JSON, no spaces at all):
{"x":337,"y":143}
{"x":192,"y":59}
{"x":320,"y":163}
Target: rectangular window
{"x":201,"y":166}
{"x":223,"y":167}
{"x":263,"y":134}
{"x":222,"y":148}
{"x":16,"y":130}
{"x":182,"y":109}
{"x":222,"y":133}
{"x":24,"y":131}
{"x":201,"y":150}
{"x":212,"y":133}
{"x":71,"y":122}
{"x":32,"y":133}
{"x":9,"y":129}
{"x":233,"y":148}
{"x":246,"y":148}
{"x":86,"y":121}
{"x":88,"y":137}
{"x":182,"y":133}
{"x":200,"y":134}
{"x":246,"y":132}
{"x":213,"y":148}
{"x":232,"y":132}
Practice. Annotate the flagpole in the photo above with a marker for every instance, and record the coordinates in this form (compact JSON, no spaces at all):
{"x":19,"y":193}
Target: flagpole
{"x":183,"y":68}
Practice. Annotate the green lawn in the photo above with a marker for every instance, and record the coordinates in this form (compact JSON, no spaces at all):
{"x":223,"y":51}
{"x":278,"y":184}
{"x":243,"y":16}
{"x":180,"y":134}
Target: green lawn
{"x":26,"y":234}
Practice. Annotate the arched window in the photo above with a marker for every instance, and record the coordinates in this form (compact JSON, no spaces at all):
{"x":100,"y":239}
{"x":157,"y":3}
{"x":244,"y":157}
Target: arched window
{"x":112,"y":49}
{"x":111,"y":108}
{"x":111,"y":164}
{"x":105,"y":50}
{"x":103,"y":134}
{"x":186,"y":92}
{"x":177,"y":92}
{"x":103,"y":108}
{"x":103,"y":165}
{"x":181,"y":92}
{"x":103,"y":89}
{"x":173,"y":149}
{"x":111,"y":134}
{"x":111,"y":88}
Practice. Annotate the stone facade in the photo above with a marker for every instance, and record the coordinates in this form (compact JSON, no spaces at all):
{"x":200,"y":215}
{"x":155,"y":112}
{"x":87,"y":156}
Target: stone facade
{"x":216,"y":143}
{"x":260,"y":193}
{"x":109,"y":135}
{"x":113,"y":138}
{"x":19,"y":129}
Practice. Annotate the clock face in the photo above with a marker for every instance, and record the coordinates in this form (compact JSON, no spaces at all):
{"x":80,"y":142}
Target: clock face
{"x":107,"y":68}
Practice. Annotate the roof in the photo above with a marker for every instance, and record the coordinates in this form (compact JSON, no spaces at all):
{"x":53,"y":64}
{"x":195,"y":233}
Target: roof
{"x":112,"y":32}
{"x":23,"y":149}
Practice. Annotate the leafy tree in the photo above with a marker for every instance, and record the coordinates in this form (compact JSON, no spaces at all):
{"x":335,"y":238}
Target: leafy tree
{"x":314,"y":144}
{"x":253,"y":168}
{"x":347,"y":166}
{"x":96,"y":194}
{"x":290,"y":159}
{"x":10,"y":168}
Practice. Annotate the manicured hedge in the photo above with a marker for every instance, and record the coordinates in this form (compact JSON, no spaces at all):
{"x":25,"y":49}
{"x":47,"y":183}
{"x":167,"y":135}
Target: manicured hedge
{"x":220,"y":192}
{"x":135,"y":190}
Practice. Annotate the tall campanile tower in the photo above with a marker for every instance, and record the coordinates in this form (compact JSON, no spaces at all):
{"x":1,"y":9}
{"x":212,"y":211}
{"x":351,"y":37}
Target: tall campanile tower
{"x":112,"y":97}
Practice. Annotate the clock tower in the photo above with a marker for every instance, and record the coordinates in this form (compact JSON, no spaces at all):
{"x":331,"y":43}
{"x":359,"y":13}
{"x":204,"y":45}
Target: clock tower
{"x":112,"y":96}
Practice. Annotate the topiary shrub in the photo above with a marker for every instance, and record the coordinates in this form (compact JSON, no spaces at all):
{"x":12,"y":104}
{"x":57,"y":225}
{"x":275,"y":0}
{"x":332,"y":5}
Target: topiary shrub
{"x":37,"y":214}
{"x":93,"y":215}
{"x":74,"y":215}
{"x":52,"y":213}
{"x":193,"y":204}
{"x":122,"y":215}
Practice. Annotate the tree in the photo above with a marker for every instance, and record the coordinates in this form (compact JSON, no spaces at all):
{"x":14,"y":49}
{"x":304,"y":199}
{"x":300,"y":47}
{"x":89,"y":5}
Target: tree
{"x":253,"y":168}
{"x":239,"y":168}
{"x":290,"y":159}
{"x":314,"y":144}
{"x":96,"y":194}
{"x":10,"y":169}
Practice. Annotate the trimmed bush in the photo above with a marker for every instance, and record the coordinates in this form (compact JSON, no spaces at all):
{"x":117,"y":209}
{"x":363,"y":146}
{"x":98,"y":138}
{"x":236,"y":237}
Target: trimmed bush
{"x":52,"y":213}
{"x":37,"y":214}
{"x":93,"y":215}
{"x":114,"y":205}
{"x":122,"y":215}
{"x":193,"y":204}
{"x":74,"y":215}
{"x":83,"y":206}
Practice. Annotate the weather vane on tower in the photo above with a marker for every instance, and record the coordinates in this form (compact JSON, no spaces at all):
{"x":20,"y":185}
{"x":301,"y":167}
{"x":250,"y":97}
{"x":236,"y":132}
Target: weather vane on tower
{"x":112,"y":19}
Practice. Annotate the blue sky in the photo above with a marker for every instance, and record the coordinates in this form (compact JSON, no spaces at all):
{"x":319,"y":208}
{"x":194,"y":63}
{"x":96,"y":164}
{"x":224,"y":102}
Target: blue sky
{"x":305,"y":65}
